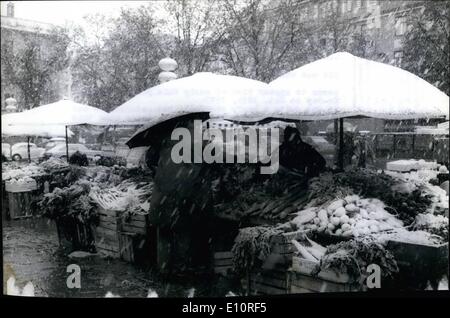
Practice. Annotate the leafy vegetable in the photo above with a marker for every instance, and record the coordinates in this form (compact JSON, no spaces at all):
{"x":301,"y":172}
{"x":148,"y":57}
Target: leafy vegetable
{"x":353,"y":257}
{"x":251,"y":247}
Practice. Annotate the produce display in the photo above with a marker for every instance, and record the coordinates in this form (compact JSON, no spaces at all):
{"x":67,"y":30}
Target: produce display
{"x":125,"y":196}
{"x":349,"y":257}
{"x":351,"y":216}
{"x":353,"y":257}
{"x":415,"y":180}
{"x":21,"y":172}
{"x":70,"y":201}
{"x":411,"y":164}
{"x":371,"y":184}
{"x":251,"y":247}
{"x":434,"y":224}
{"x":54,"y":164}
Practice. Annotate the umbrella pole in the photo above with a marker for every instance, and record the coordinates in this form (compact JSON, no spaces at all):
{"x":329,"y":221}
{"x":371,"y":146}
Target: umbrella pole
{"x":341,"y":144}
{"x":67,"y":145}
{"x":28,"y":149}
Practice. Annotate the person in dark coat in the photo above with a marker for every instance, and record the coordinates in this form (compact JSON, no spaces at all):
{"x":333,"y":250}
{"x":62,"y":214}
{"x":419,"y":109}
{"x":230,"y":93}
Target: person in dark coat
{"x":298,"y":155}
{"x":179,"y":208}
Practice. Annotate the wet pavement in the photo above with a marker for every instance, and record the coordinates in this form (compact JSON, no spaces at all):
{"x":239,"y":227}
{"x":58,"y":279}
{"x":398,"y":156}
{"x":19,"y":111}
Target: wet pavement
{"x":31,"y":254}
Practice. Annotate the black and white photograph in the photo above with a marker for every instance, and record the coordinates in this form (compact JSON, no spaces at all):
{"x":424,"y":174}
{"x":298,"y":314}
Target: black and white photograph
{"x":224,"y":149}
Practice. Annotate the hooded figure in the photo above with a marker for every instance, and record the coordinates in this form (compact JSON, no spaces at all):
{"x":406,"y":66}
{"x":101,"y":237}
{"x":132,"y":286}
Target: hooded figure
{"x":179,"y":208}
{"x":296,"y":154}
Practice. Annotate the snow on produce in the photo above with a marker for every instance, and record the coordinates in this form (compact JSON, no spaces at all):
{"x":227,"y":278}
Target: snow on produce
{"x":434,"y":224}
{"x":27,"y":171}
{"x":125,"y":196}
{"x":349,"y":217}
{"x":54,"y":164}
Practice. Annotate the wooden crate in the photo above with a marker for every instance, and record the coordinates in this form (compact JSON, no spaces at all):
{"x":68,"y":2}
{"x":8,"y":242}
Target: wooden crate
{"x":20,"y":204}
{"x":303,"y":279}
{"x":74,"y":235}
{"x":282,"y":250}
{"x":223,"y":262}
{"x":266,"y":282}
{"x":107,"y":233}
{"x":135,"y":223}
{"x":127,"y":246}
{"x":5,"y":203}
{"x":419,"y":258}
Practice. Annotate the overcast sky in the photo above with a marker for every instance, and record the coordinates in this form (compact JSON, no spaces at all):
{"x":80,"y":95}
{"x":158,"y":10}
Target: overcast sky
{"x":60,"y":12}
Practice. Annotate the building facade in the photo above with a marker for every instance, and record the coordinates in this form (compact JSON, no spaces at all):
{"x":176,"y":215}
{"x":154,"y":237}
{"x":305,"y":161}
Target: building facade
{"x":382,"y":24}
{"x":16,"y":34}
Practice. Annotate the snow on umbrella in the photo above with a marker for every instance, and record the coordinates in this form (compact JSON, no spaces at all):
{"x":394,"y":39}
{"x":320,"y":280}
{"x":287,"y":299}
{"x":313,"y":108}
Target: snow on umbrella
{"x":64,"y":112}
{"x":35,"y":130}
{"x":222,"y":96}
{"x":343,"y":85}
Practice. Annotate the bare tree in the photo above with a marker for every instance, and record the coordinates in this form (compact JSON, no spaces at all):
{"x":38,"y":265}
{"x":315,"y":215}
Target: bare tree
{"x":120,"y":59}
{"x":259,"y":38}
{"x":197,"y":36}
{"x":33,"y":66}
{"x":426,"y":44}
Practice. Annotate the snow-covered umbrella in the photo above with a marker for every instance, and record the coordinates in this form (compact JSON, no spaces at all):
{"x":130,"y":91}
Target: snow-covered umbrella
{"x":214,"y":95}
{"x":342,"y":85}
{"x":62,"y":113}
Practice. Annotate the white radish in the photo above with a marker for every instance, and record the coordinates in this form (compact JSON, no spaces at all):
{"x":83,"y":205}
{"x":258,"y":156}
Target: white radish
{"x":322,"y":215}
{"x":335,"y":221}
{"x":339,"y":212}
{"x":303,"y":252}
{"x":316,"y":245}
{"x":345,"y":227}
{"x":314,"y":252}
{"x":336,"y":204}
{"x":344,"y":219}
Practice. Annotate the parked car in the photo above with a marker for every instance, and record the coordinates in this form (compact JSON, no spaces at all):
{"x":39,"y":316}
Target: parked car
{"x":54,"y":141}
{"x":6,"y":150}
{"x":19,"y":151}
{"x":59,"y":151}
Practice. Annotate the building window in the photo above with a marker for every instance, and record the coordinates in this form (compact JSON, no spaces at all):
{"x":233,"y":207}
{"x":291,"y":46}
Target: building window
{"x":370,"y":5}
{"x":398,"y":57}
{"x":400,"y":26}
{"x":357,"y":6}
{"x":323,"y":42}
{"x":349,"y":5}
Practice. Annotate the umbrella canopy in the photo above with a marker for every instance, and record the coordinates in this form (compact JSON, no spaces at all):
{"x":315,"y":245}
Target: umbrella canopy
{"x":64,"y":112}
{"x":343,"y":85}
{"x":10,"y":129}
{"x":32,"y":130}
{"x":217,"y":95}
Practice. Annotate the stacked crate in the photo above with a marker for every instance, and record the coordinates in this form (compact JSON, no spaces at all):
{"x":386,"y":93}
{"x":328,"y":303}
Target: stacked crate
{"x":107,"y":232}
{"x":21,"y":196}
{"x":121,"y":237}
{"x":133,"y":237}
{"x":304,"y":278}
{"x":272,"y":278}
{"x":267,"y":282}
{"x":223,"y":262}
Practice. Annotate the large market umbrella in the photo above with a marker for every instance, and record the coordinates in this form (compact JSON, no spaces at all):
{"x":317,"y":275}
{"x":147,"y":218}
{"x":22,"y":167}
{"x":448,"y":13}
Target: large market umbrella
{"x":342,"y":85}
{"x":37,"y":130}
{"x":62,"y":113}
{"x":214,"y":95}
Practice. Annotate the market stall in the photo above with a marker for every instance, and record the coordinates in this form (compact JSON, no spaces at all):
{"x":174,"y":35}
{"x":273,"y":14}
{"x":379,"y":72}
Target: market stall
{"x":63,"y":113}
{"x":358,"y":215}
